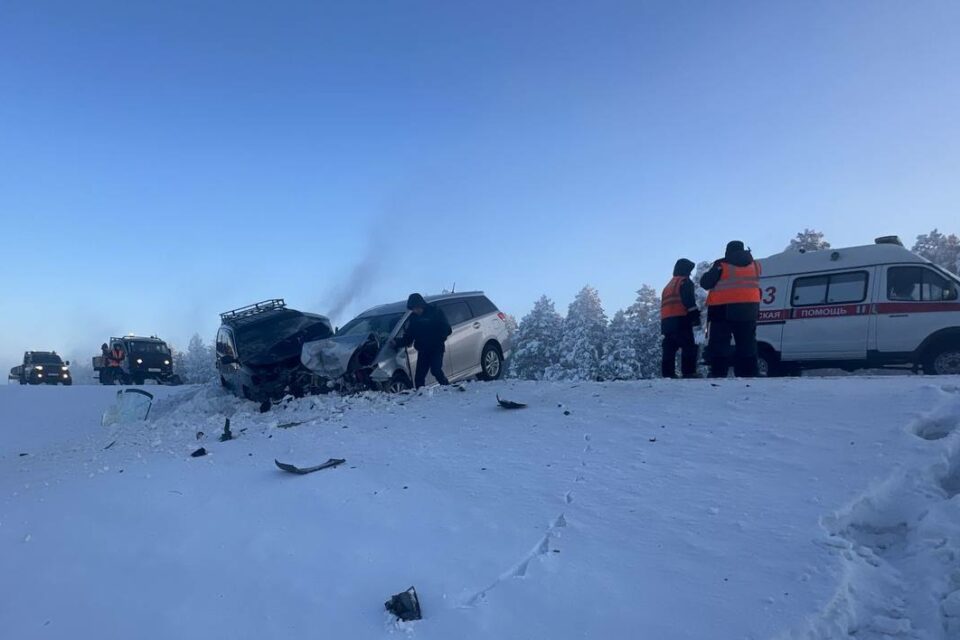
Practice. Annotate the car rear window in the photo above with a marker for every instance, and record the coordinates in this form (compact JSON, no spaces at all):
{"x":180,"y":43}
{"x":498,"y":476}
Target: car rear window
{"x":456,"y":312}
{"x":481,"y":306}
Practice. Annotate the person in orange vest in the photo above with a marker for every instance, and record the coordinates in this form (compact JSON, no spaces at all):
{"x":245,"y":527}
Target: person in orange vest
{"x":733,"y":306}
{"x":678,"y":316}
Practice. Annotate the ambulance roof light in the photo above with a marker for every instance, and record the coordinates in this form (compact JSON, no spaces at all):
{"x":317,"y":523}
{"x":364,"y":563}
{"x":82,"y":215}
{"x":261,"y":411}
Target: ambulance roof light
{"x":889,"y":240}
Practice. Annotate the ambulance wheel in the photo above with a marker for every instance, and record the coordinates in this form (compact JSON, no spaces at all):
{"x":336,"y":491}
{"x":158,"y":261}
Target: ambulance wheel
{"x":768,"y":364}
{"x":943,"y":360}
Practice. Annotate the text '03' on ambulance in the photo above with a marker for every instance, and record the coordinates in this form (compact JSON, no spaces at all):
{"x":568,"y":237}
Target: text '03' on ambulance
{"x":873,"y":306}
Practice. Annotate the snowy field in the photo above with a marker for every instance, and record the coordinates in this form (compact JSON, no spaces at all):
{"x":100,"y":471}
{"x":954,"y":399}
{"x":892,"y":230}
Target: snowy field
{"x":804,"y":508}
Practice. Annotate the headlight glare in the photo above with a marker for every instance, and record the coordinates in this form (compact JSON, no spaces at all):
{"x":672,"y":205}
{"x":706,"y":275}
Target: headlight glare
{"x":39,"y":367}
{"x":139,"y":360}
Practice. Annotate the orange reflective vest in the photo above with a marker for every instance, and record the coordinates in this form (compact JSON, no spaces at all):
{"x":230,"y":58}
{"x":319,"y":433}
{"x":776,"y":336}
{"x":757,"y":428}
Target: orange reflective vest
{"x":116,"y":358}
{"x":737,"y":285}
{"x":671,"y":305}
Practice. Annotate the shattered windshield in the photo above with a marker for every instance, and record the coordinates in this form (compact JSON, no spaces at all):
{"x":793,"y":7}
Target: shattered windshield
{"x":280,"y":337}
{"x":381,"y":326}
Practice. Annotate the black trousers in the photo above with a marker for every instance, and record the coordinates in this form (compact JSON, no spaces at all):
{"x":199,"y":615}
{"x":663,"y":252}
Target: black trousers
{"x":743,"y":355}
{"x":433,"y":362}
{"x":681,"y":340}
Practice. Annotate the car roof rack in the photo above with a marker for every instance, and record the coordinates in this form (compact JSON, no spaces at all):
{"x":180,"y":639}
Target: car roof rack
{"x":253,"y":310}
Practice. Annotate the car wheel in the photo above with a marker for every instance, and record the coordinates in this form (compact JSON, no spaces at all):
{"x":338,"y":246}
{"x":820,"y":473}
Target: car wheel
{"x":943,"y":361}
{"x":491,"y":363}
{"x":398,"y":384}
{"x":138,"y":380}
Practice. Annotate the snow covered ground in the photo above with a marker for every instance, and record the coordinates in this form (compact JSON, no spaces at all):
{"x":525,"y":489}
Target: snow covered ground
{"x":804,"y":508}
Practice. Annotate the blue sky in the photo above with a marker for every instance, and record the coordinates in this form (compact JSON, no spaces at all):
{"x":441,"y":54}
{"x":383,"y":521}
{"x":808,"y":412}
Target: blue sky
{"x":162,"y":162}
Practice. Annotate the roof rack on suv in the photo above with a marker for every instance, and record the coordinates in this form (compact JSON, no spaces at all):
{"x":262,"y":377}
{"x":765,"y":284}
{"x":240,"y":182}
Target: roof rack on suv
{"x":253,"y":309}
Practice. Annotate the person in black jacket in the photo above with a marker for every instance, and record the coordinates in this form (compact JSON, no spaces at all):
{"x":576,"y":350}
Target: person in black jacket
{"x":733,"y":307}
{"x":427,"y":331}
{"x":678,"y":316}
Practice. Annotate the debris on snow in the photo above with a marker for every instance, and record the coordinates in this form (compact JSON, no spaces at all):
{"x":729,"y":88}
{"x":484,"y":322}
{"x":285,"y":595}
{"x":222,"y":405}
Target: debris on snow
{"x":405,"y":605}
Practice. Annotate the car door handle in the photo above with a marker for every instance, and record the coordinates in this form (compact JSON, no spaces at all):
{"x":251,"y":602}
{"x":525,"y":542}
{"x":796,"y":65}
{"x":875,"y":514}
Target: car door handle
{"x":476,"y":325}
{"x":898,"y":315}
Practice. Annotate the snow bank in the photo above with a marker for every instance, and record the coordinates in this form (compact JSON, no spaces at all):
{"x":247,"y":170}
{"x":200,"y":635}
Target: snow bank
{"x":667,"y":509}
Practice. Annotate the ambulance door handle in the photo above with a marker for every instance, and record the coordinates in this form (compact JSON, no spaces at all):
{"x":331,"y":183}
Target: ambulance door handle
{"x":898,"y":315}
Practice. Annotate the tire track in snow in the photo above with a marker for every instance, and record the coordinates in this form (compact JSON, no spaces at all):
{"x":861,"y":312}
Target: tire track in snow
{"x":542,"y":547}
{"x":900,"y":548}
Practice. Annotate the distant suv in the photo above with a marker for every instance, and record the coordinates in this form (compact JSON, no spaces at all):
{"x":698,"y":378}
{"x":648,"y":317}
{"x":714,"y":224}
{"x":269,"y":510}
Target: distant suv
{"x":42,"y":367}
{"x":144,"y":359}
{"x":360,"y":355}
{"x":258,"y":350}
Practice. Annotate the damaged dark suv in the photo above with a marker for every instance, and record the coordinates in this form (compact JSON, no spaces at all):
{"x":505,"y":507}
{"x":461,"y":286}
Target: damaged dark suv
{"x":258,"y":350}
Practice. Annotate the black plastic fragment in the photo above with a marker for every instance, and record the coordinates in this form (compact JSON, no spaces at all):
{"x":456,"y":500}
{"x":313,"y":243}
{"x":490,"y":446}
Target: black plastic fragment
{"x":227,"y":434}
{"x":510,"y":404}
{"x":405,"y":605}
{"x":198,"y":453}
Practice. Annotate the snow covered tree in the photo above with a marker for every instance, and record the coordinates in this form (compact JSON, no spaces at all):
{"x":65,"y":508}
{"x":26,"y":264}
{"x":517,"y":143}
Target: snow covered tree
{"x":939,"y":249}
{"x":512,"y":326}
{"x":808,"y":240}
{"x":699,"y":292}
{"x":620,"y":360}
{"x":644,"y":316}
{"x":198,"y":362}
{"x":581,"y":343}
{"x":536,"y":344}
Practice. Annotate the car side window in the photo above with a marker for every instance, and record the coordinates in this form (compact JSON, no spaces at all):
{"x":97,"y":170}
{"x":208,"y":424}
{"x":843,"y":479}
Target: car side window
{"x":481,"y":306}
{"x":810,"y":291}
{"x":456,"y":312}
{"x":224,"y":344}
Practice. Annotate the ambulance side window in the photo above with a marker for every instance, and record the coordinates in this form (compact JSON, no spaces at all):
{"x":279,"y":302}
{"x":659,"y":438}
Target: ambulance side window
{"x":810,"y":291}
{"x":936,"y":287}
{"x":836,"y":288}
{"x":904,"y":284}
{"x":847,"y":288}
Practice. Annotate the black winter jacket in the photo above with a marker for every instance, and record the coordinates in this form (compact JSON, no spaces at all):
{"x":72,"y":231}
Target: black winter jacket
{"x":427,"y":332}
{"x":737,"y":312}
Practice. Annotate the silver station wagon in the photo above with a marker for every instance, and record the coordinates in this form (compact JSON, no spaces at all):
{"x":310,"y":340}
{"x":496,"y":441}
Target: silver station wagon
{"x":361,"y":354}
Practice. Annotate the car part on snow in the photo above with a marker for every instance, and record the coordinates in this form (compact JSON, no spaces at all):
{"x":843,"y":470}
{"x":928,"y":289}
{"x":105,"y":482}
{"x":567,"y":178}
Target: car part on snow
{"x":131,"y":405}
{"x":289,"y":468}
{"x":405,"y":605}
{"x":510,"y":404}
{"x":227,"y":434}
{"x":199,"y":453}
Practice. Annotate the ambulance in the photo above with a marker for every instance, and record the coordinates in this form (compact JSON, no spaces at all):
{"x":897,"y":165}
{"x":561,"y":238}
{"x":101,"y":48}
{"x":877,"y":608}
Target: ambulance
{"x":874,"y":306}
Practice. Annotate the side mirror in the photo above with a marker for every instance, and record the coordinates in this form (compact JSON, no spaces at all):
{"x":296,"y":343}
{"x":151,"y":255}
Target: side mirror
{"x":67,"y":363}
{"x":228,"y":360}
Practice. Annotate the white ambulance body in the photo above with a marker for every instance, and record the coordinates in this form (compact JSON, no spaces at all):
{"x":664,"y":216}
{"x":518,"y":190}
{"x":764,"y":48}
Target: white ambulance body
{"x":873,"y":306}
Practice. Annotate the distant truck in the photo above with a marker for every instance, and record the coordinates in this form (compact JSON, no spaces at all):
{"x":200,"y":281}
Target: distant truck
{"x":42,"y":367}
{"x":144,"y":359}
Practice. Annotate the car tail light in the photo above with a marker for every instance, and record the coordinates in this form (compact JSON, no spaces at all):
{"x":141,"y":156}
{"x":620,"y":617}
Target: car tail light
{"x":502,"y":316}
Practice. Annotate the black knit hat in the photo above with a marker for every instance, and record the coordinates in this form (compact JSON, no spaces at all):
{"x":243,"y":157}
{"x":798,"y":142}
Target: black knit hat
{"x":735,"y":246}
{"x":416,"y":300}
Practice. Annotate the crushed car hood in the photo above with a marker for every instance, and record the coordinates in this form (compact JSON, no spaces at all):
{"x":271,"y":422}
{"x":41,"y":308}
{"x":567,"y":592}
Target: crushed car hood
{"x":331,"y":357}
